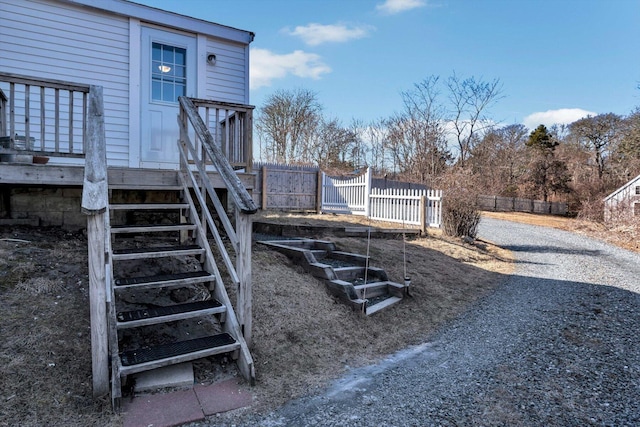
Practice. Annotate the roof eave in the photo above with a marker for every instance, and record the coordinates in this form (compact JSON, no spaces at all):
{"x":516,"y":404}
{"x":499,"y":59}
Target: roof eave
{"x":166,"y":18}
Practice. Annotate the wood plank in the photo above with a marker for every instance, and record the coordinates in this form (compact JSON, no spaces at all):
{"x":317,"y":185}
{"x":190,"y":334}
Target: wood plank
{"x":97,"y":305}
{"x":243,"y":267}
{"x":171,"y":318}
{"x":382,"y":305}
{"x":151,"y":228}
{"x":128,"y":370}
{"x":168,"y":283}
{"x":157,"y":254}
{"x":148,"y":206}
{"x":239,"y":193}
{"x":118,"y":178}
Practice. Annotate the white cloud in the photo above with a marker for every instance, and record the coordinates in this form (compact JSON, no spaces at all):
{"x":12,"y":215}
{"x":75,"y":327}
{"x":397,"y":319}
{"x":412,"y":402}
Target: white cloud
{"x":562,"y":116}
{"x":316,"y":34}
{"x":392,"y":7}
{"x":267,"y":66}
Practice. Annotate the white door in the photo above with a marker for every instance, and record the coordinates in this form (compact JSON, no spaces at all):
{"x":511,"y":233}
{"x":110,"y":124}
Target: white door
{"x":168,"y":67}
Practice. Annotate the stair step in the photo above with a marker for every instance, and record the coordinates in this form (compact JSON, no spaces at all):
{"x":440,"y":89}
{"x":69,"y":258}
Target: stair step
{"x":189,"y":278}
{"x":154,"y":315}
{"x":147,"y":187}
{"x":168,"y":354}
{"x":150,"y":228}
{"x":158,"y":252}
{"x":372,"y":309}
{"x":148,"y":206}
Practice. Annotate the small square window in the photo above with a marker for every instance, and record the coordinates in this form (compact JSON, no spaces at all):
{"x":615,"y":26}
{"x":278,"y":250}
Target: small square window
{"x":637,"y":190}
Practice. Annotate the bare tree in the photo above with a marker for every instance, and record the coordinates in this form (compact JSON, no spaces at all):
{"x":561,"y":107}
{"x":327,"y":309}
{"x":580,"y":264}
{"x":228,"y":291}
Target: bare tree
{"x":499,"y":160}
{"x":331,"y":145}
{"x":416,"y":136}
{"x":377,"y":138}
{"x":358,"y":154}
{"x":626,"y":154}
{"x":470,"y":99}
{"x":285,"y":122}
{"x":598,"y":133}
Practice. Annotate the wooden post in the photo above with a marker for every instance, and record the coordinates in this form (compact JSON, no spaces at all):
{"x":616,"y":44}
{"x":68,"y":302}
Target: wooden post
{"x":243,"y":268}
{"x":423,"y":214}
{"x":94,"y":204}
{"x":367,"y":193}
{"x":97,"y":305}
{"x":319,"y":192}
{"x":264,"y":188}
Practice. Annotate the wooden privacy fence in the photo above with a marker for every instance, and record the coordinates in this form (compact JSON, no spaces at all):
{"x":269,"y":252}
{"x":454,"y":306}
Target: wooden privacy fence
{"x":513,"y":204}
{"x":356,"y":196}
{"x":288,"y":187}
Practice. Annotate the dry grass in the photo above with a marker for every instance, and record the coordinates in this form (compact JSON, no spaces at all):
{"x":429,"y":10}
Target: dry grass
{"x":623,"y":234}
{"x":303,"y":338}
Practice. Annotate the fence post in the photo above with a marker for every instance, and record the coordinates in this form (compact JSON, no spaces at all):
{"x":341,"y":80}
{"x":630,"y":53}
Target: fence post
{"x":319,"y":179}
{"x":264,"y":188}
{"x":423,"y":214}
{"x":322,"y":189}
{"x":367,"y":193}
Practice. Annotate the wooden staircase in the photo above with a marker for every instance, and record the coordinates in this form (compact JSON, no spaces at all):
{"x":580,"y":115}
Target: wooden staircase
{"x":156,"y":292}
{"x":151,"y":322}
{"x":347,"y":276}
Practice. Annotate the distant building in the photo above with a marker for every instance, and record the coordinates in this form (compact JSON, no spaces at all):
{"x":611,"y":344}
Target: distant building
{"x":624,"y":203}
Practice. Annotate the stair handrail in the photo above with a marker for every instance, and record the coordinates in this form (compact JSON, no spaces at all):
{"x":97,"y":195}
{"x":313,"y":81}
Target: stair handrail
{"x":241,"y":237}
{"x":95,"y":204}
{"x":240,"y":195}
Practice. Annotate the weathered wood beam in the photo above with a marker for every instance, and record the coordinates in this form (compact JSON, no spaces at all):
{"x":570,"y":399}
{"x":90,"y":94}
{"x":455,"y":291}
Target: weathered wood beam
{"x":240,"y":195}
{"x":243,"y":267}
{"x":95,"y":202}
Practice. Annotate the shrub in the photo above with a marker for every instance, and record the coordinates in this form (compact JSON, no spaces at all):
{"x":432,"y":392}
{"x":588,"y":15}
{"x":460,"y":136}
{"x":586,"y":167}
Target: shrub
{"x":460,"y":217}
{"x":460,"y":214}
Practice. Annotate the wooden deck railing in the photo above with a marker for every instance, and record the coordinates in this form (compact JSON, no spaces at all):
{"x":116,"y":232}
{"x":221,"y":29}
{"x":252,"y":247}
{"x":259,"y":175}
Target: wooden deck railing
{"x":42,"y":116}
{"x":231,"y":127}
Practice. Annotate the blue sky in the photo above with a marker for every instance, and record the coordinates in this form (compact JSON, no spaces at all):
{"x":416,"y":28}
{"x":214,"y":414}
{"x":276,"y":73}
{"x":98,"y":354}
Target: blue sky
{"x":558,"y":60}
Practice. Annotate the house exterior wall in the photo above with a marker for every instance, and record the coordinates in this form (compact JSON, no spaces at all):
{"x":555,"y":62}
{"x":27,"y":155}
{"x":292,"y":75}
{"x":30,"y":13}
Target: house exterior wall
{"x":64,"y":42}
{"x":228,"y":80}
{"x":624,"y":203}
{"x":76,"y":41}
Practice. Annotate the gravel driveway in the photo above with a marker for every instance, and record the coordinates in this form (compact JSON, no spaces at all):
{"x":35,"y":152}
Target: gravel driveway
{"x":557,"y":344}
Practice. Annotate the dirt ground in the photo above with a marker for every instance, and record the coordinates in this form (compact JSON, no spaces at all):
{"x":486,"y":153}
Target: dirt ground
{"x":302,"y":337}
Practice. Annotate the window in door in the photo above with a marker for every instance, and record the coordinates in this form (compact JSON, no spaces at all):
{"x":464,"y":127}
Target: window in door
{"x":168,"y":72}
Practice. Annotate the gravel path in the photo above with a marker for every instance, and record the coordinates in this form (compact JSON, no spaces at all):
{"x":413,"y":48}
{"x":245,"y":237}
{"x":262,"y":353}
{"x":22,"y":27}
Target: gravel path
{"x":558,"y":344}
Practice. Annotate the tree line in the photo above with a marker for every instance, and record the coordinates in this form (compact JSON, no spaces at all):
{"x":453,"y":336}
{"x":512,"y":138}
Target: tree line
{"x":444,"y":137}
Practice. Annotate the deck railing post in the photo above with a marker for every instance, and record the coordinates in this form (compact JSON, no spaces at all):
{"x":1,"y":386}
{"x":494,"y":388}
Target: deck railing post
{"x":244,"y":227}
{"x":94,"y":205}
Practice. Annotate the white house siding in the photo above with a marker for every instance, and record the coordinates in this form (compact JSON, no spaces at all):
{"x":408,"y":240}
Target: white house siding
{"x":226,"y":81}
{"x":80,"y":45}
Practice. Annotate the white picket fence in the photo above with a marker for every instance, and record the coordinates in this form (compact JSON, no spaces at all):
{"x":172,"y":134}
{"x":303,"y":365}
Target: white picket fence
{"x":346,"y":195}
{"x":355,"y":196}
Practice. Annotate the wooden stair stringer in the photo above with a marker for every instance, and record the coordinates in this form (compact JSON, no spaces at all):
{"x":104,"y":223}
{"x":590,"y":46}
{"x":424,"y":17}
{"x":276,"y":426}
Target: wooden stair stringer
{"x":225,"y":314}
{"x":231,"y":325}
